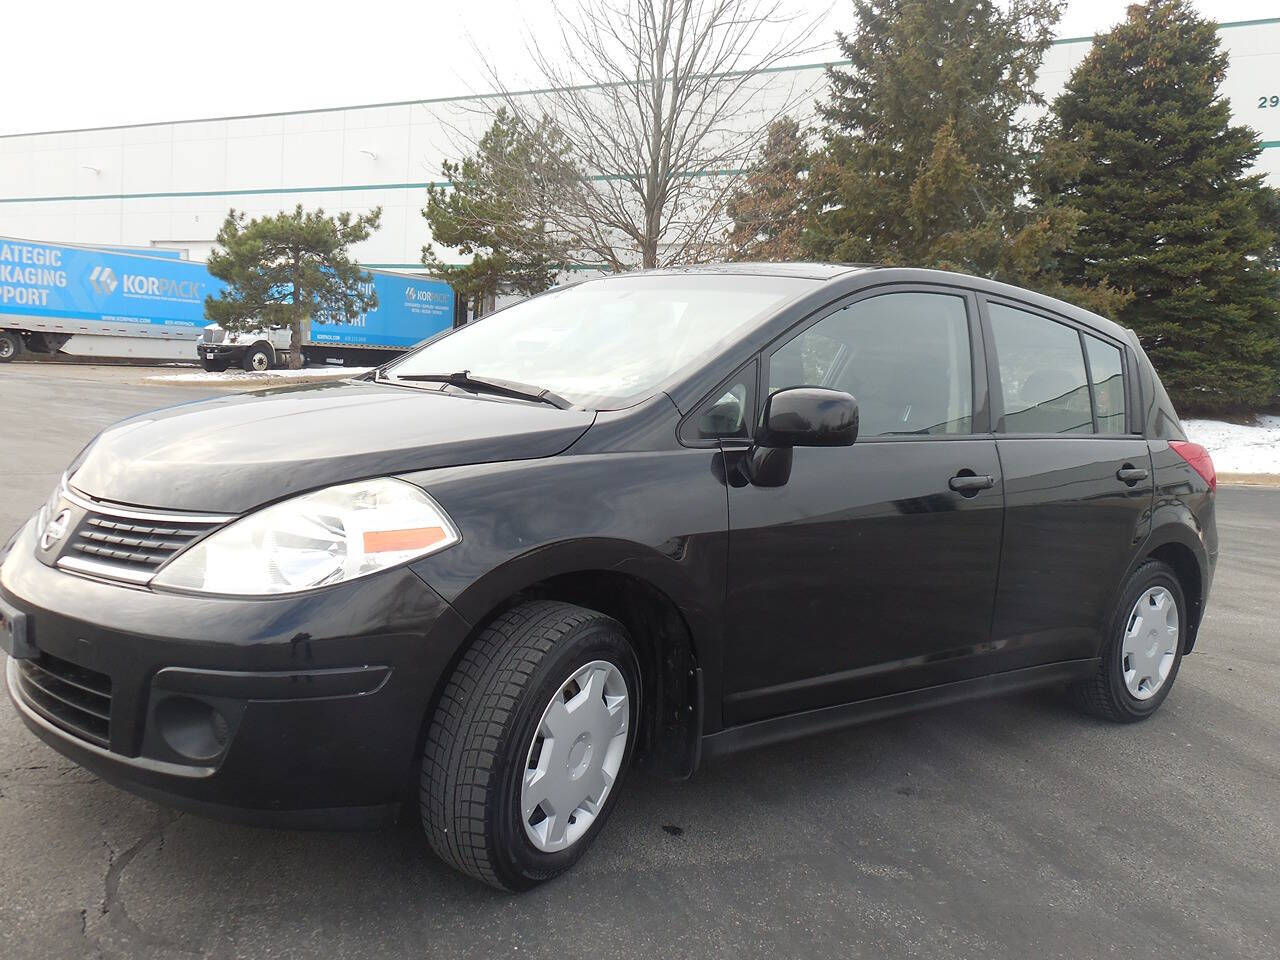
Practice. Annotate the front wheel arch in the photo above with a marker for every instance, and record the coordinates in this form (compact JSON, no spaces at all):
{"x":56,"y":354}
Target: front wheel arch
{"x":673,"y":645}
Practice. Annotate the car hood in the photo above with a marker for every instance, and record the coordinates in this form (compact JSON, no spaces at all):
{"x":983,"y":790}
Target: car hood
{"x":233,"y":453}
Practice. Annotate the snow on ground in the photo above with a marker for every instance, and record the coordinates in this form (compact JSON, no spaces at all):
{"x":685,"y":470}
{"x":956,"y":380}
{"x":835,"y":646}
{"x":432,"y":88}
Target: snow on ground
{"x":1239,"y":449}
{"x":243,"y":376}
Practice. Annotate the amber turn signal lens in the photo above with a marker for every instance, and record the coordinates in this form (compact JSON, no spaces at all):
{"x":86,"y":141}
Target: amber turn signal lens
{"x":393,"y":541}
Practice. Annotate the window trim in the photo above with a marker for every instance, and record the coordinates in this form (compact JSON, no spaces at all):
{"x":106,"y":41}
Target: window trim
{"x":996,"y":393}
{"x":980,"y":394}
{"x":686,"y":432}
{"x":1088,"y":381}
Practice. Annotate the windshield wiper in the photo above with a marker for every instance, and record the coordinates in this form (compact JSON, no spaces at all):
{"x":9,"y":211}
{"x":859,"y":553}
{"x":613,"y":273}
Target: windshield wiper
{"x":500,"y":388}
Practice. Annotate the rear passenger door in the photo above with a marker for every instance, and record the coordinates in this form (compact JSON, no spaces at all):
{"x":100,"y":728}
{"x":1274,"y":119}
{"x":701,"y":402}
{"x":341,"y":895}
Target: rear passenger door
{"x":1078,"y":487}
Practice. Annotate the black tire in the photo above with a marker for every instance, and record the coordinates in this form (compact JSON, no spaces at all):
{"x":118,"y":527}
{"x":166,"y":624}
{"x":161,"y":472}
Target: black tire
{"x":1105,"y":694}
{"x":10,"y":346}
{"x":213,"y":366}
{"x":479,"y":739}
{"x":259,"y":358}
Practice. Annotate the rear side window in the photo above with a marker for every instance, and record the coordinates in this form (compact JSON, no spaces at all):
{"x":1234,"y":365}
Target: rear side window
{"x":1042,"y":373}
{"x":904,"y":356}
{"x":1106,"y":372}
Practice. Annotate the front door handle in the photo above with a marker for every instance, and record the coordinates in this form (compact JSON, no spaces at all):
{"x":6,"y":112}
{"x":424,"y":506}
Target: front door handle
{"x":968,"y":483}
{"x":1131,"y":474}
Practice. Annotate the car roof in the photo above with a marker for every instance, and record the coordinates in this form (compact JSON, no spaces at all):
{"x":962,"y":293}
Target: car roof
{"x":804,"y":270}
{"x":850,"y":277}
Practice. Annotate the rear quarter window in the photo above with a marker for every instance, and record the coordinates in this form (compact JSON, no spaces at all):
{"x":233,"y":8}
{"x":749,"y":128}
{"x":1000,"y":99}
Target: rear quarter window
{"x":1106,"y":373}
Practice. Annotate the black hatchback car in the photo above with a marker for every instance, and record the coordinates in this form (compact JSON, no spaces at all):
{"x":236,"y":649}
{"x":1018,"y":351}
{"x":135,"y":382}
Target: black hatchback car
{"x":646,"y":519}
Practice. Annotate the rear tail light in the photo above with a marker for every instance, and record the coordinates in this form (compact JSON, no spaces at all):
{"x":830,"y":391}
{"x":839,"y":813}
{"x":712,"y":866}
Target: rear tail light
{"x":1198,"y":459}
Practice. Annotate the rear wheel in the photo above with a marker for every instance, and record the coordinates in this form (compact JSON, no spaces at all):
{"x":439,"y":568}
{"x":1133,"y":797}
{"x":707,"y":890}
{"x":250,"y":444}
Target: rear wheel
{"x":529,"y":743}
{"x":1140,"y":659}
{"x":10,"y":346}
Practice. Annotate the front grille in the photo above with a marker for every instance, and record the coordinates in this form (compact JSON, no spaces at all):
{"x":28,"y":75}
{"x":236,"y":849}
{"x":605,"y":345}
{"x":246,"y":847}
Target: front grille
{"x":214,"y":334}
{"x":130,"y":545}
{"x":74,"y":698}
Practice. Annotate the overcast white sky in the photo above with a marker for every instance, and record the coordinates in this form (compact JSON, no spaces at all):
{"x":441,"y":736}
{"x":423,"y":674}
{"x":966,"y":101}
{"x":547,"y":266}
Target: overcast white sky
{"x":85,"y":63}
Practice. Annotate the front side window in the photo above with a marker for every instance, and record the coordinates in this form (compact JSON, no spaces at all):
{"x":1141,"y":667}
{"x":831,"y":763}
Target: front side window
{"x":1042,"y":376}
{"x":606,"y":343}
{"x":904,"y":357}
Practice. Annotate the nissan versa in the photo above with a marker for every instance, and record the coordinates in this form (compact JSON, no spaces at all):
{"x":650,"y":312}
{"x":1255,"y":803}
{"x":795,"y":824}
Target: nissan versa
{"x":639,"y":520}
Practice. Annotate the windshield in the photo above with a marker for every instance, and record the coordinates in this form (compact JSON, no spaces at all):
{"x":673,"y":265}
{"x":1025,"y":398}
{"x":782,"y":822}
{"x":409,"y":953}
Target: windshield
{"x":607,"y":343}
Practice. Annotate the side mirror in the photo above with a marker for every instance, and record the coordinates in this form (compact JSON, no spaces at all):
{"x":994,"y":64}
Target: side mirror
{"x":808,"y":417}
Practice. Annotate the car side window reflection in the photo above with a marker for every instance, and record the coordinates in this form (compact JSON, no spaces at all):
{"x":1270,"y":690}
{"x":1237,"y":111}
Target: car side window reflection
{"x":1042,"y":375}
{"x":1106,"y":370}
{"x":904,"y":357}
{"x":726,"y":416}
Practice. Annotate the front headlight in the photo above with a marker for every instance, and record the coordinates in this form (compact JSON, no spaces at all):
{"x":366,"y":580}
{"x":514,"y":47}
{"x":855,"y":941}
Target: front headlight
{"x":317,"y":539}
{"x":50,"y":509}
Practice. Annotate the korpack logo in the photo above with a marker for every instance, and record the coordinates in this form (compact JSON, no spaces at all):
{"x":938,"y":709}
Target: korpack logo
{"x":140,"y":285}
{"x":103,"y":280}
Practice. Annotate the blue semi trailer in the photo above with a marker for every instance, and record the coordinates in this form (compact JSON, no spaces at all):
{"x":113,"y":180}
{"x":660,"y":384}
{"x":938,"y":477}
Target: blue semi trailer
{"x":100,"y":302}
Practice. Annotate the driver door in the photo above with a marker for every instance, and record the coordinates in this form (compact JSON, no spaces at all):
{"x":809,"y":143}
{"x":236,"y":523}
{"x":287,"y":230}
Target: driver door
{"x":866,"y":573}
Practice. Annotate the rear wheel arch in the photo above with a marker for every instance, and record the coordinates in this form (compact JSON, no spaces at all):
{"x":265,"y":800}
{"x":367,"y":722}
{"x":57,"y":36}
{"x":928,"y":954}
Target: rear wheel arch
{"x":1190,"y":575}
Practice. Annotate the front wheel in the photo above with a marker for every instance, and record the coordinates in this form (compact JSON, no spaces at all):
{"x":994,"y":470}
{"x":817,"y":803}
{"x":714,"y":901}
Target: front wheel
{"x":529,"y":742}
{"x":259,"y":358}
{"x":1145,"y":641}
{"x":10,"y":346}
{"x":213,"y":366}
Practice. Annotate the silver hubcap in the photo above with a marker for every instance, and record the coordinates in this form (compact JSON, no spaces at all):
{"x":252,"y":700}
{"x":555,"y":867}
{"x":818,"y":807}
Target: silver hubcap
{"x":6,"y":348}
{"x":260,"y":361}
{"x":1150,"y":643}
{"x":575,"y":756}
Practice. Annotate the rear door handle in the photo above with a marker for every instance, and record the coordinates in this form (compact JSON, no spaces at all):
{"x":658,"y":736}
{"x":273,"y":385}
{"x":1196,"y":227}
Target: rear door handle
{"x":1131,"y":475}
{"x":968,"y":483}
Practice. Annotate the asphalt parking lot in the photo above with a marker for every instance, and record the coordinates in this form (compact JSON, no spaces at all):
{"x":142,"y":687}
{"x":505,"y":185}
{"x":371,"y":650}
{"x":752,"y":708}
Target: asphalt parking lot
{"x":1008,"y":828}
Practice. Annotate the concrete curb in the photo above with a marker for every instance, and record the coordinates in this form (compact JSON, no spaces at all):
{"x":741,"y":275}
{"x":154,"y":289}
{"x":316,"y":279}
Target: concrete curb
{"x":1249,"y":479}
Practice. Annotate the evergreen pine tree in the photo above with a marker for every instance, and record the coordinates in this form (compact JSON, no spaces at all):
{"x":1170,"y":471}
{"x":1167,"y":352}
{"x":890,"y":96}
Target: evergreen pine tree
{"x":931,"y":158}
{"x":1171,"y":212}
{"x":286,"y":269}
{"x":767,"y":213}
{"x":495,"y":208}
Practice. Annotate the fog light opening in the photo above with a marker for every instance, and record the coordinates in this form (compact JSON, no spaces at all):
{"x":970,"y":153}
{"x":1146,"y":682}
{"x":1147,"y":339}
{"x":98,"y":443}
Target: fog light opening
{"x":192,"y":727}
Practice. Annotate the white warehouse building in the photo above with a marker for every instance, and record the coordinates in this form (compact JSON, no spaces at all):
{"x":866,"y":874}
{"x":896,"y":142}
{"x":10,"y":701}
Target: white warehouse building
{"x":169,"y":185}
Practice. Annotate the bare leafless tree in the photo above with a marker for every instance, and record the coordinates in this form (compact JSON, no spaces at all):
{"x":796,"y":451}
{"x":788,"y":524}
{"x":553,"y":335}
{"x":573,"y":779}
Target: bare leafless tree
{"x":661,"y":104}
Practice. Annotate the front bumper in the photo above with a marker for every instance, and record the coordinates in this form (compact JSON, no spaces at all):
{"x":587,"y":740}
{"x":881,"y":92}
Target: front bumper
{"x":219,"y":351}
{"x":301,"y":711}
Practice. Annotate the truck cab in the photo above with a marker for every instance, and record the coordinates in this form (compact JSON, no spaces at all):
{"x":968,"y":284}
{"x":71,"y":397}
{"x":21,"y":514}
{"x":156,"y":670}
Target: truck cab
{"x":253,"y":350}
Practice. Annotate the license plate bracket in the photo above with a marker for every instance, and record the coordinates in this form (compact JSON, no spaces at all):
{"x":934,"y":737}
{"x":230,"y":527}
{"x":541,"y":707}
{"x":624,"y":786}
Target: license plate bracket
{"x":15,"y":638}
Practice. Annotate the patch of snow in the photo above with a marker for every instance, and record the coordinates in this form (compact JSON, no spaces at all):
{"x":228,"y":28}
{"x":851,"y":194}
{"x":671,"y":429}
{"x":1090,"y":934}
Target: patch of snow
{"x":1236,"y":448}
{"x":244,"y":376}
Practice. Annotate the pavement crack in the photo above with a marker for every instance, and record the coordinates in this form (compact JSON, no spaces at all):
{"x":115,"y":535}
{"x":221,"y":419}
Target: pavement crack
{"x":113,"y":905}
